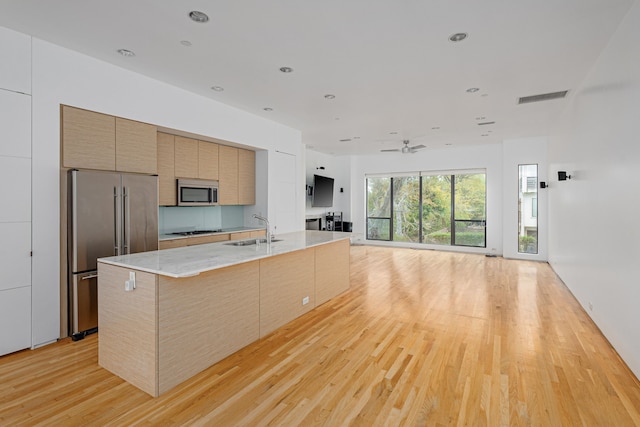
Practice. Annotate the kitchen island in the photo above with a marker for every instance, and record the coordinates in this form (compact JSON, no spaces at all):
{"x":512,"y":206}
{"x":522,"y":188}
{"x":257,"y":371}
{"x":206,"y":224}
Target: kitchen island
{"x":166,"y":315}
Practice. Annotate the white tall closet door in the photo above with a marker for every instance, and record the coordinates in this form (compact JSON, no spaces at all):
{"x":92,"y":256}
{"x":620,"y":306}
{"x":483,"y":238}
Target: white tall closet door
{"x":284,"y":192}
{"x":15,"y":220}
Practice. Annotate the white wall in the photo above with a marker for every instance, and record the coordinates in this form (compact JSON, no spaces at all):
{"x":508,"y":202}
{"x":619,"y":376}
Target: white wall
{"x":487,"y":157}
{"x":594,"y":239}
{"x":520,"y":152}
{"x":61,"y":76}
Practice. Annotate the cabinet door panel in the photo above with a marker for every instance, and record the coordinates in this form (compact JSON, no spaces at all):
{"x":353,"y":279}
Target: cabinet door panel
{"x":166,"y":170}
{"x":228,"y":175}
{"x":15,"y":257}
{"x":15,"y":122}
{"x":16,"y":196}
{"x":136,"y":147}
{"x":246,"y":177}
{"x":89,"y":139}
{"x":207,"y":160}
{"x":186,"y":153}
{"x":15,"y":319}
{"x":15,"y":69}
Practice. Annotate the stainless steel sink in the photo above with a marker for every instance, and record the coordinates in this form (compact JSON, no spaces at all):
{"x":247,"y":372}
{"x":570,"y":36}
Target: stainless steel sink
{"x":250,"y":242}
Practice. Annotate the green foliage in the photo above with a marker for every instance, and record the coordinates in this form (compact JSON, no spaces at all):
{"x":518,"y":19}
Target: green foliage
{"x":528,"y":244}
{"x":436,"y":208}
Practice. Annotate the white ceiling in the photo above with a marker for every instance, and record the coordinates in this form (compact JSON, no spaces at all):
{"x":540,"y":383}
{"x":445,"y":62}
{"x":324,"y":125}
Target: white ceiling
{"x":394,"y":73}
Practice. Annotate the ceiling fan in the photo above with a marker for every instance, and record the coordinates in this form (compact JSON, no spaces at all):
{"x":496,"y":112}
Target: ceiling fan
{"x":406,"y":149}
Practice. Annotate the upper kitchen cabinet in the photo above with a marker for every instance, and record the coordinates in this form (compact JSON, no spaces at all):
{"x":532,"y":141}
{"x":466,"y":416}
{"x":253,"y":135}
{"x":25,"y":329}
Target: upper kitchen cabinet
{"x":88,"y":139}
{"x":186,"y":157}
{"x":166,"y":170}
{"x":246,"y":177}
{"x":228,"y":186}
{"x":135,"y":147}
{"x":93,"y":140}
{"x":15,"y":70}
{"x":237,"y":176}
{"x":208,"y":154}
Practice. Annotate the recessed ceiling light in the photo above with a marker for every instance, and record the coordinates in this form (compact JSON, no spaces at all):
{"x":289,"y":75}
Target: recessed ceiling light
{"x":485,"y":94}
{"x":217,"y":88}
{"x":457,"y":37}
{"x":329,"y":96}
{"x":485,"y":134}
{"x":268,"y":109}
{"x":286,"y":69}
{"x":448,"y":144}
{"x":197,"y":16}
{"x":393,"y":133}
{"x":435,"y":127}
{"x":186,"y":43}
{"x":473,"y":89}
{"x":356,"y":137}
{"x":125,"y":52}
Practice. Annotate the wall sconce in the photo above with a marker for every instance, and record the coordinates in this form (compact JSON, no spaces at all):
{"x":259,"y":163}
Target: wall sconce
{"x":562,"y":176}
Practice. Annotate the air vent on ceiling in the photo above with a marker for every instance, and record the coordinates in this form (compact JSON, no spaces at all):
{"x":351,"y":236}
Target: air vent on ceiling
{"x":542,"y":97}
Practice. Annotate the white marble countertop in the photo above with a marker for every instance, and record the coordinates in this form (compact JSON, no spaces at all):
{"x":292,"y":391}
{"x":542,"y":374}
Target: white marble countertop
{"x":193,"y":260}
{"x":223,"y":231}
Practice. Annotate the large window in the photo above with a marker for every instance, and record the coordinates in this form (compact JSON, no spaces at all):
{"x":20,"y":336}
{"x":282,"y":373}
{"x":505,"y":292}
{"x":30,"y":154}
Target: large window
{"x":441,"y":209}
{"x":528,"y":209}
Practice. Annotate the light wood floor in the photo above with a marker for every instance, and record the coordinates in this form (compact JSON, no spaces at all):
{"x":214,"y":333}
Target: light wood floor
{"x":422,"y":338}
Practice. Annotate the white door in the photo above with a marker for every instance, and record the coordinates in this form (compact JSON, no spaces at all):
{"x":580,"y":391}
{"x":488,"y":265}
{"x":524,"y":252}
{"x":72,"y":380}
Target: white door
{"x":284,"y":192}
{"x":15,"y":221}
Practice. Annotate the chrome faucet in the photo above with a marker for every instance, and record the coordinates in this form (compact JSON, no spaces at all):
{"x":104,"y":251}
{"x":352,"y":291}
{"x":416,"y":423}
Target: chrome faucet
{"x":267,"y":229}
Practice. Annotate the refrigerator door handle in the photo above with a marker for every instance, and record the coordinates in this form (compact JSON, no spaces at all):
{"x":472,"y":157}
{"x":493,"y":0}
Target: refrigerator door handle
{"x":116,"y":240}
{"x":125,"y":220}
{"x":90,"y":276}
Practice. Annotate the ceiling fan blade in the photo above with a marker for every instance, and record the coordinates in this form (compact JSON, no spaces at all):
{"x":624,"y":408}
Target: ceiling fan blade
{"x":389,"y":151}
{"x":418,"y":147}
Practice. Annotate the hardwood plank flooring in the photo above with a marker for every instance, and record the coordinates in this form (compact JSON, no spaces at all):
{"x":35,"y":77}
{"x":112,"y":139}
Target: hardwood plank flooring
{"x":421,"y":338}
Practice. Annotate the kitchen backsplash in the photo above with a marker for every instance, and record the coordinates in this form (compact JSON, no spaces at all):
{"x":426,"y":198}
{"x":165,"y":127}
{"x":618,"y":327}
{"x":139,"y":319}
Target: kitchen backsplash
{"x":187,"y":218}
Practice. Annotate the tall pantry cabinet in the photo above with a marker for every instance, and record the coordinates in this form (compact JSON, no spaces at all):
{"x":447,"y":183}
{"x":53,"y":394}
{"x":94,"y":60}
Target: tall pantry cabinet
{"x":15,"y":190}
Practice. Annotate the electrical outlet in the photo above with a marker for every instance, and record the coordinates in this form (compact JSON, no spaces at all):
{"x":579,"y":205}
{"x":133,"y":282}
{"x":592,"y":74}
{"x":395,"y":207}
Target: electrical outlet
{"x":130,"y":285}
{"x":305,"y":300}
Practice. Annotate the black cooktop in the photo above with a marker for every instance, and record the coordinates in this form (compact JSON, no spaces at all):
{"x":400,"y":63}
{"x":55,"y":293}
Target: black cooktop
{"x":196,"y":232}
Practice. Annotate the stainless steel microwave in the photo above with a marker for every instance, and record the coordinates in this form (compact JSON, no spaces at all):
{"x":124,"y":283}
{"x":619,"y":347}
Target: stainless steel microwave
{"x":197,"y":192}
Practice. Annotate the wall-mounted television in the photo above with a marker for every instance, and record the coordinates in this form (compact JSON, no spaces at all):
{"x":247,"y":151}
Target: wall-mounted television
{"x":322,"y":191}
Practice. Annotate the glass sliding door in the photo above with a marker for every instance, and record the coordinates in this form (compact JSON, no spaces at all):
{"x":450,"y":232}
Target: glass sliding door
{"x":406,"y":209}
{"x":436,"y":209}
{"x":379,"y":208}
{"x":469,"y":210}
{"x":528,"y":209}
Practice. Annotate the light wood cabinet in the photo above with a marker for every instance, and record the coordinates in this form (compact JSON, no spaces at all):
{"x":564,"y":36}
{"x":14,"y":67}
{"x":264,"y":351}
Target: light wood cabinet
{"x":190,"y":241}
{"x":228,"y":175}
{"x":99,"y":141}
{"x":331,"y":270}
{"x":286,"y":282}
{"x":208,"y":160}
{"x":246,"y":177}
{"x":186,"y":157}
{"x":136,"y":149}
{"x":237,"y":176}
{"x":89,"y":139}
{"x":166,"y":170}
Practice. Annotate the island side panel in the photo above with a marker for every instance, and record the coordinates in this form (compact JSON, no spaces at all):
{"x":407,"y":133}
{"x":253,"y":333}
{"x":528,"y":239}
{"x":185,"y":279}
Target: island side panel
{"x":203,"y":319}
{"x":127,"y":340}
{"x":332,"y":270}
{"x":284,"y":281}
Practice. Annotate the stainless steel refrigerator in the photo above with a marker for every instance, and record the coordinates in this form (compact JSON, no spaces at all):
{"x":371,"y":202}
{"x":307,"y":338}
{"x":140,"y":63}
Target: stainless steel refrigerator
{"x":110,"y":213}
